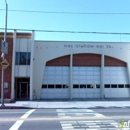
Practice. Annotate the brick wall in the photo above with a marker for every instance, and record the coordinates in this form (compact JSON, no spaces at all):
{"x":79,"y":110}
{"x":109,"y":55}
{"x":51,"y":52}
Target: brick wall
{"x":61,"y":61}
{"x":109,"y":61}
{"x":8,"y":71}
{"x":85,"y":60}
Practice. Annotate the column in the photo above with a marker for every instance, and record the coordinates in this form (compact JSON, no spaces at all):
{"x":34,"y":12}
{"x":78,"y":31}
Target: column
{"x":71,"y":76}
{"x":128,"y":74}
{"x":102,"y":75}
{"x":31,"y":66}
{"x":13,"y":68}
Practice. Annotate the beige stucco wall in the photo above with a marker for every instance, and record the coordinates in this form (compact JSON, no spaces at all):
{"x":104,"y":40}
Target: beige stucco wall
{"x":47,"y":50}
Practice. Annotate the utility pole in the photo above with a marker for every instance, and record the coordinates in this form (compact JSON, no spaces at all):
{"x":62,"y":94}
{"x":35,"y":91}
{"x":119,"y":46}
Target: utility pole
{"x":3,"y":55}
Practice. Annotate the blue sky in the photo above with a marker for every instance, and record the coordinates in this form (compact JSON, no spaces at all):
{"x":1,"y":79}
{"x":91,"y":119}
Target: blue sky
{"x":70,"y":22}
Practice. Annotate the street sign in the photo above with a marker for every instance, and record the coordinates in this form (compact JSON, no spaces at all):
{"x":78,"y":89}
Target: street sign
{"x":4,"y":47}
{"x":4,"y":63}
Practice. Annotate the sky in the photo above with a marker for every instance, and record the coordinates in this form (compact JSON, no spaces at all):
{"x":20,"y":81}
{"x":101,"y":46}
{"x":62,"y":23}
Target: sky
{"x":119,"y":23}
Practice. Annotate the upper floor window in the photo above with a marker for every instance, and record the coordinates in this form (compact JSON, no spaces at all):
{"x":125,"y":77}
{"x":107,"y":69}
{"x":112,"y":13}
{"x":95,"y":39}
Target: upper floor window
{"x":22,"y":58}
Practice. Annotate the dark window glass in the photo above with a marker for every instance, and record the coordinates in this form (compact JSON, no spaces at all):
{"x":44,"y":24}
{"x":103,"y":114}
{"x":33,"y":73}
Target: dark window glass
{"x":17,"y":58}
{"x":127,"y":86}
{"x":58,"y":86}
{"x":22,"y":58}
{"x":107,"y":85}
{"x":22,"y":79}
{"x":83,"y":86}
{"x":113,"y":85}
{"x":75,"y":86}
{"x":65,"y":86}
{"x":51,"y":86}
{"x":89,"y":86}
{"x":97,"y":85}
{"x":44,"y":86}
{"x":120,"y":85}
{"x":28,"y":58}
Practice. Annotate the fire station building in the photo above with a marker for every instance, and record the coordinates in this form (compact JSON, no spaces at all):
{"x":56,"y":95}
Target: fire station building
{"x":65,"y":69}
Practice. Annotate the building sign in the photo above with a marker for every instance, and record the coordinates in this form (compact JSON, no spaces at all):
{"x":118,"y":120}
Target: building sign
{"x":87,"y":46}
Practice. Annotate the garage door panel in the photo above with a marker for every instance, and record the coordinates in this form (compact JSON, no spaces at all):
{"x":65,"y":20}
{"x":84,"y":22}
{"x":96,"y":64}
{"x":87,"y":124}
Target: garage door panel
{"x":89,"y":90}
{"x":89,"y":73}
{"x":65,"y":81}
{"x":51,"y":77}
{"x":82,"y":77}
{"x":75,"y":95}
{"x":90,"y":68}
{"x":113,"y":77}
{"x":90,"y":81}
{"x":65,"y":73}
{"x":96,"y":68}
{"x":82,"y":68}
{"x":122,"y":81}
{"x":82,"y":96}
{"x":90,"y":77}
{"x":44,"y":90}
{"x":50,"y":73}
{"x":50,"y":91}
{"x":107,"y":95}
{"x":97,"y":95}
{"x":82,"y":73}
{"x":75,"y":90}
{"x":107,"y":81}
{"x":97,"y":77}
{"x":57,"y":91}
{"x":97,"y":73}
{"x":65,"y":91}
{"x":45,"y":81}
{"x":50,"y":81}
{"x":75,"y":73}
{"x":56,"y":77}
{"x":58,"y":95}
{"x":114,"y":94}
{"x":50,"y":68}
{"x":127,"y":92}
{"x":65,"y":77}
{"x":112,"y":81}
{"x":75,"y":77}
{"x":96,"y":90}
{"x":107,"y":90}
{"x":50,"y":96}
{"x":90,"y":95}
{"x":96,"y":81}
{"x":75,"y":82}
{"x":65,"y":95}
{"x":44,"y":96}
{"x":82,"y":81}
{"x":82,"y":90}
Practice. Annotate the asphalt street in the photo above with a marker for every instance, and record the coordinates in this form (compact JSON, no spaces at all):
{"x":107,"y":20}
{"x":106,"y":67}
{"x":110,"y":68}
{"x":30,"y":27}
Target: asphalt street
{"x":62,"y":119}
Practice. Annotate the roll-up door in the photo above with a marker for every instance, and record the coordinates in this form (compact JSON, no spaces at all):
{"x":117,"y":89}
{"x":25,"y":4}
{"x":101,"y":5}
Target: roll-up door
{"x":55,"y":83}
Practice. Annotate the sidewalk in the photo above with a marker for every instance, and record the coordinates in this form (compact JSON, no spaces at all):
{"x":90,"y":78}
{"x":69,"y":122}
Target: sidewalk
{"x":75,"y":104}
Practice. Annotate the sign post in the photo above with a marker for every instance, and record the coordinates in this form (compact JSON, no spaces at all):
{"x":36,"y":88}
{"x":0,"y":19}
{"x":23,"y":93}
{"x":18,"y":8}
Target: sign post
{"x":4,"y":51}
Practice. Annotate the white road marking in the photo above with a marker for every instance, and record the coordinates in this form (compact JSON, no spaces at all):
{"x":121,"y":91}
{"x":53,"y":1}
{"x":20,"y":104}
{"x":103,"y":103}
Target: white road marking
{"x":18,"y":123}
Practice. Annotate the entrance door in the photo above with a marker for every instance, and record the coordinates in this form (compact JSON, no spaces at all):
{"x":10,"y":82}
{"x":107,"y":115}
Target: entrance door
{"x":22,"y":91}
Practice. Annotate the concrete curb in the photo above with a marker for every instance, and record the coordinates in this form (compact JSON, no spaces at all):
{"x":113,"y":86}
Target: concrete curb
{"x":14,"y":107}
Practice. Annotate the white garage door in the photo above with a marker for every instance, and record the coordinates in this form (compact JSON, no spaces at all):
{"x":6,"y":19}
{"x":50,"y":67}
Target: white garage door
{"x":55,"y":82}
{"x":116,"y":82}
{"x":86,"y":82}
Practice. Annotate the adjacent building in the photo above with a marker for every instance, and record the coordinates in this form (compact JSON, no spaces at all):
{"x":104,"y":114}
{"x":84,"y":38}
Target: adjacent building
{"x":65,"y":69}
